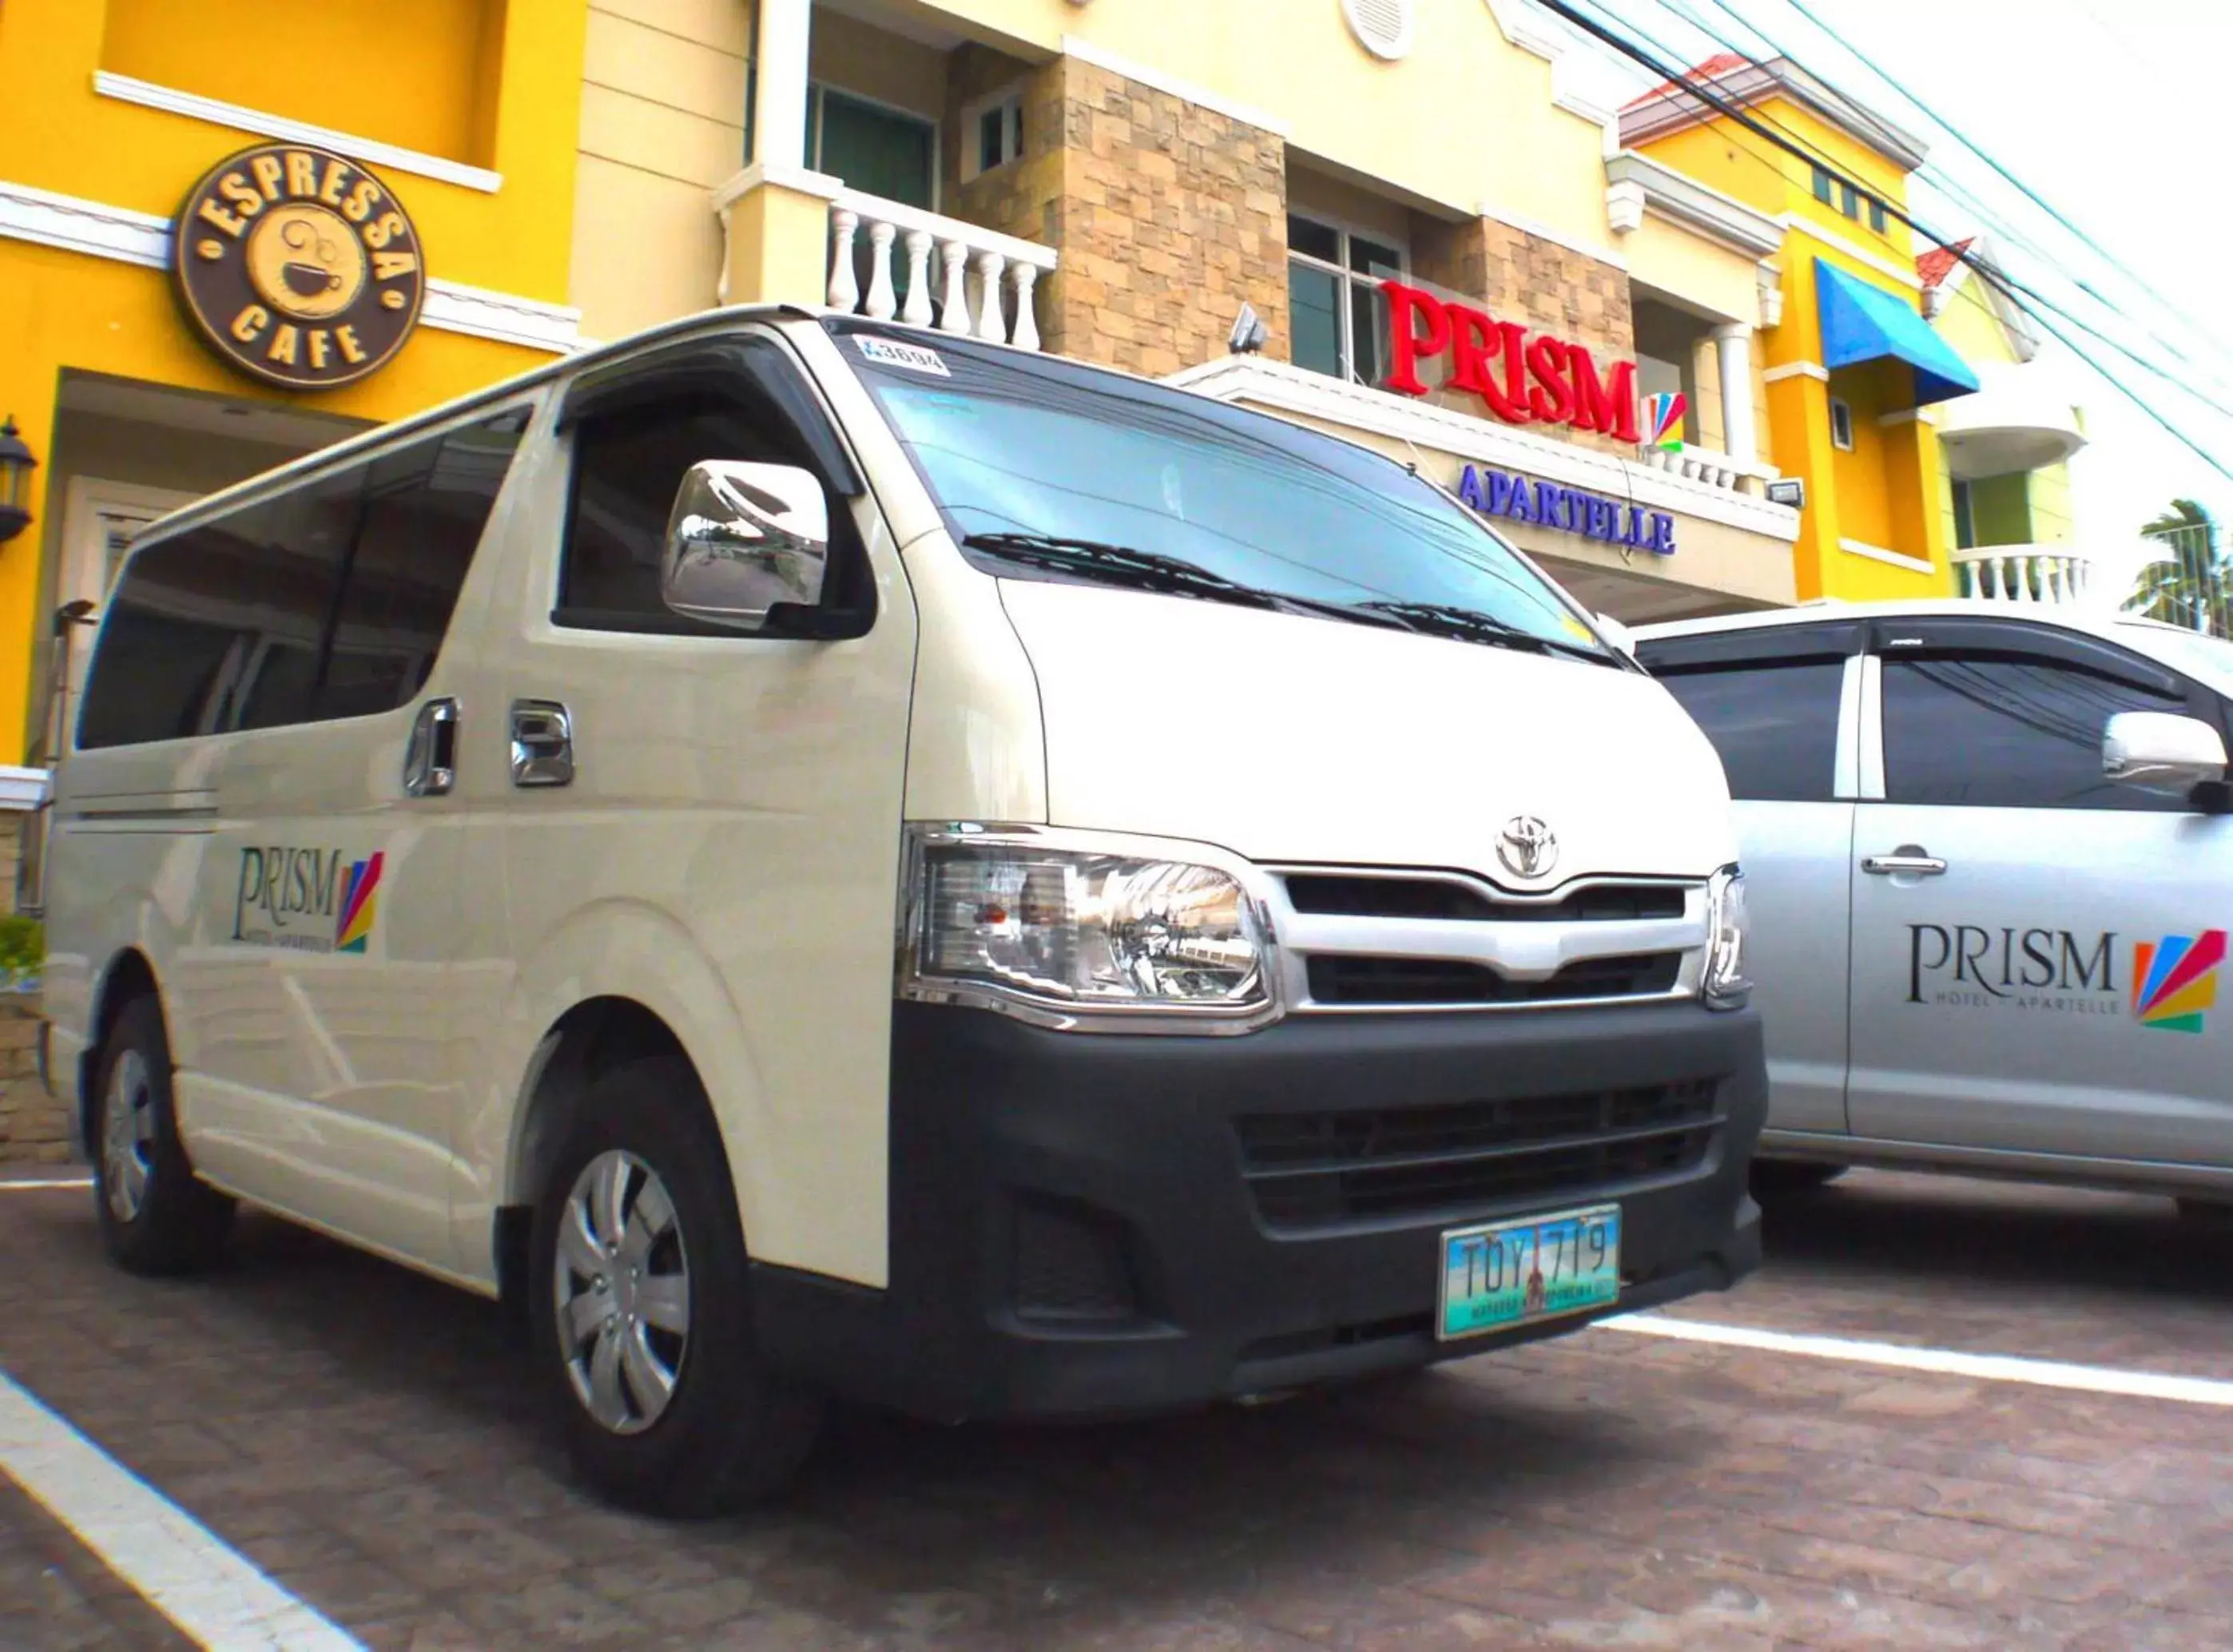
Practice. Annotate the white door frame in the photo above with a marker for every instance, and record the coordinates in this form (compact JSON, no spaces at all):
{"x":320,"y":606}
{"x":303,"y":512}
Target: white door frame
{"x":86,"y":500}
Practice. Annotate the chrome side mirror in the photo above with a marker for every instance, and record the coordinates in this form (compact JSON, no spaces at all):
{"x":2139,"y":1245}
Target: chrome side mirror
{"x":743,"y":537}
{"x":2161,"y":748}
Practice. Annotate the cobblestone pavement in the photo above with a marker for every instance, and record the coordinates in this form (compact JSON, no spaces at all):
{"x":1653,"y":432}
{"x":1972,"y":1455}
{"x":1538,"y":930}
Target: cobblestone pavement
{"x":364,"y":1437}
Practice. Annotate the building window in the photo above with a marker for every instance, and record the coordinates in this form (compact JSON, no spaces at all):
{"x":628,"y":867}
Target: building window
{"x":1849,"y":202}
{"x":1841,"y":425}
{"x":1822,"y":185}
{"x":1338,"y":320}
{"x":992,"y":134}
{"x":875,"y":148}
{"x":1965,"y":517}
{"x":1876,"y":215}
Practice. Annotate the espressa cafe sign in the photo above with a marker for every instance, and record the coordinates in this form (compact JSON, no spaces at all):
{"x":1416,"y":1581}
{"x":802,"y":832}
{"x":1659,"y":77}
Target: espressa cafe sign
{"x":1522,"y":379}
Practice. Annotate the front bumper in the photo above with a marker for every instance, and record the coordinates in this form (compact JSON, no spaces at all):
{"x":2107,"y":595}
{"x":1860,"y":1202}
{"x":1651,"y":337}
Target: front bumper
{"x":1080,"y":1225}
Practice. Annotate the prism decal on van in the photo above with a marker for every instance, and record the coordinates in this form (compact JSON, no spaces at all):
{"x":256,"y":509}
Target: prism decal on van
{"x":360,"y":905}
{"x":301,"y":899}
{"x":2175,"y":980}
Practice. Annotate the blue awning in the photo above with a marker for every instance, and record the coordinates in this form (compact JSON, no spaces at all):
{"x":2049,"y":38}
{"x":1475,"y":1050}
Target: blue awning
{"x":1862,"y":322}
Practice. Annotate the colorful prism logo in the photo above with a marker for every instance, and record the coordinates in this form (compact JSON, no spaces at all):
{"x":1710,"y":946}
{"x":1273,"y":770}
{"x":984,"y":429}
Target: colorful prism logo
{"x":360,"y":905}
{"x":2175,"y":979}
{"x":1663,"y":420}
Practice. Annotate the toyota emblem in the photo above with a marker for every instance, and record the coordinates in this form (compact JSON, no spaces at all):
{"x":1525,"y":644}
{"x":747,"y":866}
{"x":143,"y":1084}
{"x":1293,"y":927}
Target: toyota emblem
{"x":1527,"y":846}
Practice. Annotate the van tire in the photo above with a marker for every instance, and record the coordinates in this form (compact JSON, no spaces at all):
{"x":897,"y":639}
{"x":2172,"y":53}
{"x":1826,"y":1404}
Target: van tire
{"x":1784,"y":1178}
{"x":731,"y":1432}
{"x":157,"y":1217}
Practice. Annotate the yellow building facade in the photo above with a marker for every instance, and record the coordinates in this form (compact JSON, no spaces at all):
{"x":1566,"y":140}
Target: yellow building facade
{"x":1856,"y":380}
{"x":228,"y":235}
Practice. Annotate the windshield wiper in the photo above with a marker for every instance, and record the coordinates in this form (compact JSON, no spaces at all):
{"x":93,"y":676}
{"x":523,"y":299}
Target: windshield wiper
{"x":1145,"y":570}
{"x":1470,"y":625}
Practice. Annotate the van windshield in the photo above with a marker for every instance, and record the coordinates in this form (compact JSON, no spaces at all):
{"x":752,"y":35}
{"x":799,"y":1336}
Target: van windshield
{"x":1043,"y":468}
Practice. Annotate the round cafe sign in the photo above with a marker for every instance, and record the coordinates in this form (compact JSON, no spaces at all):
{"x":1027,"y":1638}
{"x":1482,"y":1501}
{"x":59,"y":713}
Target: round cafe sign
{"x":298,"y":266}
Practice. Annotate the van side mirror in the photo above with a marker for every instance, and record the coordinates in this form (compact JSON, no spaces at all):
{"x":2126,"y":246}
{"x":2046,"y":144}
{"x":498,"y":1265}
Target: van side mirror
{"x":742,"y":539}
{"x":2161,"y":748}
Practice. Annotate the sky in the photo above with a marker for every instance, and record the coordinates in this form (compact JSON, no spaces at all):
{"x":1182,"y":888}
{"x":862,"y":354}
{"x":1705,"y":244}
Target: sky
{"x":2111,"y":111}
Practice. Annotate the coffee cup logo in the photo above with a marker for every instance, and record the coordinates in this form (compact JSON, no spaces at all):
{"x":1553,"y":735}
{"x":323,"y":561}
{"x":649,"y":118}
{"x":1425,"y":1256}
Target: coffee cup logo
{"x":299,"y":266}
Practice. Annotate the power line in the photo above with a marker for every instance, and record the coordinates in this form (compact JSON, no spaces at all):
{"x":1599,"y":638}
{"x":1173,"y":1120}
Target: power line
{"x":1676,"y":76}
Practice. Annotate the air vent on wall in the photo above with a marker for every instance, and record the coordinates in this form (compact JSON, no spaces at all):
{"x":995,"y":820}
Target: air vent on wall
{"x":1383,"y":26}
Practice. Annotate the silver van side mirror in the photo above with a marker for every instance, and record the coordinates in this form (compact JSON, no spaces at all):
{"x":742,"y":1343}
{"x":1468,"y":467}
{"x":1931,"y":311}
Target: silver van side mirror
{"x":743,"y":537}
{"x":2161,"y":748}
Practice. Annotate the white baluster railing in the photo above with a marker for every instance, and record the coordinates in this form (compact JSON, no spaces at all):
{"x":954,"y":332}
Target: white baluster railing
{"x":961,"y":277}
{"x":1707,"y":465}
{"x":2050,"y":575}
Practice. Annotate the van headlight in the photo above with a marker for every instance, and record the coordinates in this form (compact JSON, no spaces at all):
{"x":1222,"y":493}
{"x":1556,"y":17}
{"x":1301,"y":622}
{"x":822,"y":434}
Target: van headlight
{"x":1076,"y":930}
{"x":1725,"y":985}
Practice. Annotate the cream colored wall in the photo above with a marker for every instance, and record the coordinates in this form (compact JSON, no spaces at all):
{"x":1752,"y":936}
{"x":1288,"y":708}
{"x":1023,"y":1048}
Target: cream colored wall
{"x":1316,"y":195}
{"x":1690,"y":267}
{"x":877,"y":64}
{"x":662,"y":127}
{"x":1464,"y":120}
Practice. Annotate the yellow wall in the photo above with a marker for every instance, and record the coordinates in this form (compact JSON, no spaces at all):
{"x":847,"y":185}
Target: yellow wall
{"x":70,"y":311}
{"x":408,"y":72}
{"x":844,"y":52}
{"x":661,"y":126}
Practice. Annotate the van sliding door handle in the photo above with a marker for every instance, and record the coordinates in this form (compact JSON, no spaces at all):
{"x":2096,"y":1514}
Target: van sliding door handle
{"x":1912,"y":861}
{"x":430,"y":761}
{"x":541,"y":744}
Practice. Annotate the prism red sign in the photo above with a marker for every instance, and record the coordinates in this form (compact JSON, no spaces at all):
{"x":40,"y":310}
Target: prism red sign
{"x":1522,"y":380}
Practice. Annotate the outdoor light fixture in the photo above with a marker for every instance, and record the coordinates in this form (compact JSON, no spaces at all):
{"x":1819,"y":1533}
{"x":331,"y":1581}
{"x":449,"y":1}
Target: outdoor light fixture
{"x":16,"y":464}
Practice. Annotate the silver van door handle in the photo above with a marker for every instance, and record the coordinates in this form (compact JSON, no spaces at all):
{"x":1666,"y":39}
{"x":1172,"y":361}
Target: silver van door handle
{"x":541,"y":744}
{"x":430,"y":761}
{"x":1906,"y":858}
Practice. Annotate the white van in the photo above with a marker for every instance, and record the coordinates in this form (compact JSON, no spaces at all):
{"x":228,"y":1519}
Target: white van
{"x":824,"y":858}
{"x":1991,"y":852}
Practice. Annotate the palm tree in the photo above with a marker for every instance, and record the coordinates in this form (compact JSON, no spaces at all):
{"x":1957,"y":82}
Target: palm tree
{"x":2191,"y":586}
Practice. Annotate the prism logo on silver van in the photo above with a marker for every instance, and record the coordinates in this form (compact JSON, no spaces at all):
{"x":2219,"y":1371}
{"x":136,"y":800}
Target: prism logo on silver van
{"x":306,"y":900}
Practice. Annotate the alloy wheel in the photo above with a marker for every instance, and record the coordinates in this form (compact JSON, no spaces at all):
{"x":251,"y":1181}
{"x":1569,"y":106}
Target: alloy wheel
{"x":623,"y":1283}
{"x":128,"y":1135}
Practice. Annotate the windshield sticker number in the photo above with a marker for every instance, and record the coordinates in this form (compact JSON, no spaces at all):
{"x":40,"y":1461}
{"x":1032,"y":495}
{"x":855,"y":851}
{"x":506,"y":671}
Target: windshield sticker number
{"x":894,"y":355}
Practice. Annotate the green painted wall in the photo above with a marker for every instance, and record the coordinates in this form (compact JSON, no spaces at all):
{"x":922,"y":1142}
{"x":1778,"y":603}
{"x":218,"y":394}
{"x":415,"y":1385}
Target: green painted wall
{"x":2000,"y":508}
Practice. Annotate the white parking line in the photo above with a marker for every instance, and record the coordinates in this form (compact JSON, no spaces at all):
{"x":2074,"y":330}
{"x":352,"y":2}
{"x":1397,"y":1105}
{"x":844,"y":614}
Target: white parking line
{"x":1989,"y":1368}
{"x":41,"y":1184}
{"x":219,"y":1600}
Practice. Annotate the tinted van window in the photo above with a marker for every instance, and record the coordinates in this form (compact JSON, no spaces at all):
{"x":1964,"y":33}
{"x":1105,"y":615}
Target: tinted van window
{"x":328,"y":600}
{"x":1774,"y":724}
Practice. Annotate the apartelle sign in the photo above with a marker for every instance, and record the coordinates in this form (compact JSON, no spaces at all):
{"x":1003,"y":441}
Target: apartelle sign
{"x":1523,"y":379}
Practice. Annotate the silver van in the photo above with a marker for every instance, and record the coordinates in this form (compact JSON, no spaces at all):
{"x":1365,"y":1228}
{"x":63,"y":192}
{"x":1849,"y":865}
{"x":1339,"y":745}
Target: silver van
{"x":1991,"y":862}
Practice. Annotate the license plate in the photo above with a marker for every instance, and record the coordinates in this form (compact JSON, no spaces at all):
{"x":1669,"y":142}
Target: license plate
{"x":1513,"y":1273}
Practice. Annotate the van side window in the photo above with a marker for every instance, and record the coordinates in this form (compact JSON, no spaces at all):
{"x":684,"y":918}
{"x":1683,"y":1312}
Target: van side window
{"x":1774,"y":724}
{"x":326,"y":601}
{"x":2009,"y":732}
{"x":627,"y":466}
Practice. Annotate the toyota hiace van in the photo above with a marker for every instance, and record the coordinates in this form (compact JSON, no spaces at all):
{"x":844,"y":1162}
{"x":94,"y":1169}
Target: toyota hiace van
{"x":821,"y":859}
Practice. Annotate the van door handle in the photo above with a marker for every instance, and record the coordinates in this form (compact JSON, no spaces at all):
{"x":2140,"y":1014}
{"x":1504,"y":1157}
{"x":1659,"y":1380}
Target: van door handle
{"x":541,"y":744}
{"x":430,"y":761}
{"x":1908,"y":859}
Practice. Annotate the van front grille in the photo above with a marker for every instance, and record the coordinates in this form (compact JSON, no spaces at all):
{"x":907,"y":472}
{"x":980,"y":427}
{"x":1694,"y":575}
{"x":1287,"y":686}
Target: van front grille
{"x":1308,"y":1170}
{"x":1335,"y":894}
{"x":1341,"y":979}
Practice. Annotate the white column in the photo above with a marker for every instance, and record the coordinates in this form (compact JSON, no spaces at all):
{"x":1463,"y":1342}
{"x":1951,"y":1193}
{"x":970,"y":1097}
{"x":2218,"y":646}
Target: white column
{"x":1733,"y":349}
{"x":992,"y":323}
{"x":779,"y":83}
{"x":844,"y":286}
{"x":1027,"y":321}
{"x":954,"y":307}
{"x":917,"y":311}
{"x":883,"y":302}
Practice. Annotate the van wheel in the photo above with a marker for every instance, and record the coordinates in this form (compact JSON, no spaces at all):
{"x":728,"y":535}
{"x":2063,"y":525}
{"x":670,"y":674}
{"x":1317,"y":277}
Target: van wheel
{"x":155,"y":1217}
{"x":639,"y":1296}
{"x":1791,"y":1178}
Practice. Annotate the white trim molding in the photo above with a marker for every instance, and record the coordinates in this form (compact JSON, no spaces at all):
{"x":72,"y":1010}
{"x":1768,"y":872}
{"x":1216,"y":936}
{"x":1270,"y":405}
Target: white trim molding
{"x":22,"y":790}
{"x":1814,"y":370}
{"x":1879,"y":554}
{"x":1672,"y":107}
{"x":261,"y":124}
{"x":1907,"y":416}
{"x":1132,"y":69}
{"x":1280,"y":386}
{"x":1770,"y":277}
{"x":1853,"y":250}
{"x":1531,"y":31}
{"x":1686,"y":202}
{"x":100,"y":231}
{"x":799,"y":178}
